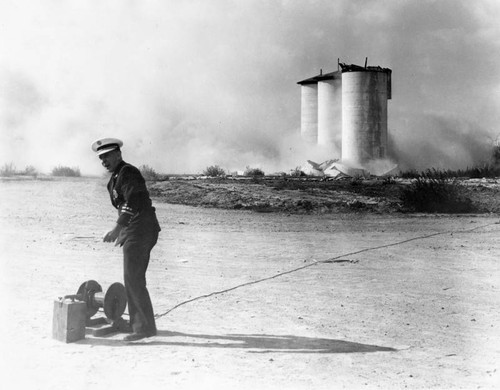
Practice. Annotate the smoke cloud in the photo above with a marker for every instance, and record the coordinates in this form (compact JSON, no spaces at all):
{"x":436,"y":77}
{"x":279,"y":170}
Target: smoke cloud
{"x":189,"y":84}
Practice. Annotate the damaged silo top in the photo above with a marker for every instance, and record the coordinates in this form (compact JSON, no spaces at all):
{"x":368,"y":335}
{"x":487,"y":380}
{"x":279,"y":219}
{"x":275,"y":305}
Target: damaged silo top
{"x":356,"y":68}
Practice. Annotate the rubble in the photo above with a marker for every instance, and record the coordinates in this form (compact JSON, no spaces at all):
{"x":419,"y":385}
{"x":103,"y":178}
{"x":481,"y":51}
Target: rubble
{"x":335,"y":169}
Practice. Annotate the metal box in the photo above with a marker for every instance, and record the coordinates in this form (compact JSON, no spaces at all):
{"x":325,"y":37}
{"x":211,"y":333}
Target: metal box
{"x":69,"y":320}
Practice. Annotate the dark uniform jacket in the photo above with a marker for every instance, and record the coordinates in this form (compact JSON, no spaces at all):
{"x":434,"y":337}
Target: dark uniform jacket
{"x":128,"y":192}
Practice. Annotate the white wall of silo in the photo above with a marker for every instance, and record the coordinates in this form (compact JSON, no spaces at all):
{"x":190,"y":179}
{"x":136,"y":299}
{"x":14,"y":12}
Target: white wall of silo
{"x":309,"y":113}
{"x":330,"y":113}
{"x":364,"y":116}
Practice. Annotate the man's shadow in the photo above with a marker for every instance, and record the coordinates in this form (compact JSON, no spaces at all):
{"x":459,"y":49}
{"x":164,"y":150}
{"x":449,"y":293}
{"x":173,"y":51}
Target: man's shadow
{"x":254,"y":343}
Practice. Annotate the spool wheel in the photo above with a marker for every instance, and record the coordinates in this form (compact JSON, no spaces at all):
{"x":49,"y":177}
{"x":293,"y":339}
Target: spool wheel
{"x":115,"y":301}
{"x":87,"y":291}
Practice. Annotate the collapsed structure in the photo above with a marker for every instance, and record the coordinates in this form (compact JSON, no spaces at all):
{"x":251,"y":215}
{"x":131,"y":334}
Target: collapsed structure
{"x":347,"y":110}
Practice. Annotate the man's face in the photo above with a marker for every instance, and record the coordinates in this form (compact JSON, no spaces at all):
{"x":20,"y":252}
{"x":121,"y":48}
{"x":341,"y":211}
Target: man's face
{"x":111,"y":160}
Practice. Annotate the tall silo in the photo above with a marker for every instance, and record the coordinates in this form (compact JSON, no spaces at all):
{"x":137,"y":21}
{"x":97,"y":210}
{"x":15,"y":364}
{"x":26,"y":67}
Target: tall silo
{"x":330,"y":109}
{"x":309,"y":110}
{"x":364,"y":113}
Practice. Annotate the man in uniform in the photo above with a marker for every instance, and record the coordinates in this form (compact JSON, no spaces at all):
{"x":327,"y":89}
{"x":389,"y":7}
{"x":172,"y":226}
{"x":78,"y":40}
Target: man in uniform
{"x":136,"y":230}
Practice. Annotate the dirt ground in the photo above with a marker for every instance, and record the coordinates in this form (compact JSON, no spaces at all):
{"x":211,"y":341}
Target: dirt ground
{"x":329,"y":301}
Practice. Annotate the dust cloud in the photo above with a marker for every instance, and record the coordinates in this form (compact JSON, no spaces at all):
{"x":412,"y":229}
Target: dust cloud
{"x":191,"y":84}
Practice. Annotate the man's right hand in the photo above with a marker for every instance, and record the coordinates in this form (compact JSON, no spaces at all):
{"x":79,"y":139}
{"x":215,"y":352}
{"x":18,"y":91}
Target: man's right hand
{"x":112,"y":235}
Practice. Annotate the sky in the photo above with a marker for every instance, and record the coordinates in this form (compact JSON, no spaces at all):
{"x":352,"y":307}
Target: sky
{"x":191,"y":84}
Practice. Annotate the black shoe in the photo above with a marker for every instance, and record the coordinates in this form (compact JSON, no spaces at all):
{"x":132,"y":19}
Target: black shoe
{"x":123,"y":326}
{"x":138,"y":336}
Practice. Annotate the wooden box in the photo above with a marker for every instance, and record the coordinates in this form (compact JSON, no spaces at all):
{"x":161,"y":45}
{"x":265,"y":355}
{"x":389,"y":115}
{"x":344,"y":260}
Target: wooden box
{"x":69,"y":320}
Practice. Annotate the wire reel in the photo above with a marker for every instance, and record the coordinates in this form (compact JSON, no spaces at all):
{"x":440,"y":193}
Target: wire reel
{"x":113,"y":301}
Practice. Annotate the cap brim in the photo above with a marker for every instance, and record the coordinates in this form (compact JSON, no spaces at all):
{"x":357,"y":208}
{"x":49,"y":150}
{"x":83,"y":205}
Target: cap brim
{"x":106,"y":150}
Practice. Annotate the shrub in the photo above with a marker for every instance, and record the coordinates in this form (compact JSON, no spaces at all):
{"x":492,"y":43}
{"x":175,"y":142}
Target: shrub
{"x":305,"y":204}
{"x":389,"y":180}
{"x":411,"y":174}
{"x":214,"y":171}
{"x":495,"y":155}
{"x":149,"y":173}
{"x":255,"y":172}
{"x":8,"y":170}
{"x":297,"y":172}
{"x":487,"y":170}
{"x":356,"y":181}
{"x":428,"y":194}
{"x":66,"y":171}
{"x":480,"y":171}
{"x":30,"y":170}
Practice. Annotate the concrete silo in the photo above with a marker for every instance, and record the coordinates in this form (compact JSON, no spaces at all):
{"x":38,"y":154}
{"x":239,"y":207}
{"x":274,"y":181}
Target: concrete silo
{"x":349,"y":108}
{"x":329,"y":109}
{"x":309,"y":110}
{"x":365,"y":92}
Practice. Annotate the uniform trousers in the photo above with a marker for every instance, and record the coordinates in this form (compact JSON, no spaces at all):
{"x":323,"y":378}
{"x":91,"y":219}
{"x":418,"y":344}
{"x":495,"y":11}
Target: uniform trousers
{"x":136,"y":254}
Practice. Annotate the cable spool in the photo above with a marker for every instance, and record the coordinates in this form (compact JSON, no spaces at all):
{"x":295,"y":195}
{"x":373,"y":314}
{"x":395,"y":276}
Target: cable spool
{"x":113,"y":301}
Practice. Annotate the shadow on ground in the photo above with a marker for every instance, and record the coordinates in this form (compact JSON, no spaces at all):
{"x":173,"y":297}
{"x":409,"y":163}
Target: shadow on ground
{"x":255,"y":343}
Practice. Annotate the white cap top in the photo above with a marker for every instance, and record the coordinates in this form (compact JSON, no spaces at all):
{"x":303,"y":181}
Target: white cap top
{"x":105,"y":145}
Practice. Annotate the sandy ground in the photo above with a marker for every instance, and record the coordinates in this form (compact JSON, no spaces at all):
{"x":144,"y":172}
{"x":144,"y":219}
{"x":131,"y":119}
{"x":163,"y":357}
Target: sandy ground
{"x":420,"y":313}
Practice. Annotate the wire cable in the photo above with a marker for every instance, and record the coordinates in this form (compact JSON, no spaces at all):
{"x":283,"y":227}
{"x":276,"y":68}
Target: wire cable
{"x":332,"y":259}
